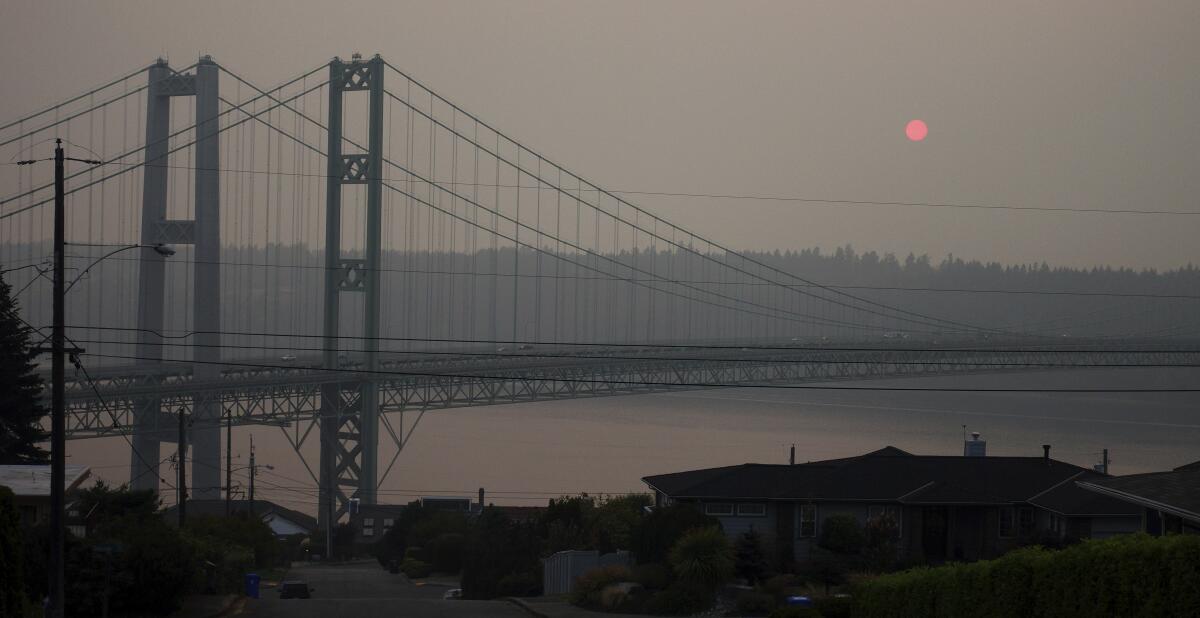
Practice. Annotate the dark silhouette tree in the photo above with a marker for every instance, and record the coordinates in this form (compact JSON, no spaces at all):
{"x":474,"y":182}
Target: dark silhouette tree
{"x":21,"y":410}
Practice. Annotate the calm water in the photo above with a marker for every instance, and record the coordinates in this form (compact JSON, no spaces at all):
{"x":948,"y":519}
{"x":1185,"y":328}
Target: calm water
{"x":523,"y":454}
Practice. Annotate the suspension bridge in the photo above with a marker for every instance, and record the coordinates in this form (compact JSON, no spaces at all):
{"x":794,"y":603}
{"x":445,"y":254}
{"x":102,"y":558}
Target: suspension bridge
{"x":350,"y":247}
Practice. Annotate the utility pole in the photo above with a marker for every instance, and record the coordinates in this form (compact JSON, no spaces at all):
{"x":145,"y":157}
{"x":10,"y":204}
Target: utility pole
{"x":228,"y":462}
{"x":252,"y":471}
{"x":58,"y":337}
{"x":58,"y":460}
{"x":182,"y":454}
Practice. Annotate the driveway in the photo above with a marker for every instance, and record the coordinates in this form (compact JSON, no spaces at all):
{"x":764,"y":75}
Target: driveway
{"x":363,"y":589}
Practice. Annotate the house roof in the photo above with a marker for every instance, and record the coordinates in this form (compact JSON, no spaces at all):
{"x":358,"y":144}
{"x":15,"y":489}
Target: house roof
{"x":216,"y":508}
{"x":1176,"y":492}
{"x":34,"y":480}
{"x":889,"y":475}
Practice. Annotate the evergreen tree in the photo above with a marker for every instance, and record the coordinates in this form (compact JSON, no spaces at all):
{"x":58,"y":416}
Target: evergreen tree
{"x":21,"y":409}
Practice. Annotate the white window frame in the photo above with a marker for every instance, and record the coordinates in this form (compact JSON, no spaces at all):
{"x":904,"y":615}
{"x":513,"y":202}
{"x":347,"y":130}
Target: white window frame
{"x":368,"y":522}
{"x":368,"y":531}
{"x":761,"y":509}
{"x":388,"y":522}
{"x":1009,"y":513}
{"x":709,"y":510}
{"x":811,"y":508}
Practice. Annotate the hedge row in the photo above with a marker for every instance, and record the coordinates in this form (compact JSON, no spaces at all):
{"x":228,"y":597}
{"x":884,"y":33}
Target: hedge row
{"x":1129,"y":575}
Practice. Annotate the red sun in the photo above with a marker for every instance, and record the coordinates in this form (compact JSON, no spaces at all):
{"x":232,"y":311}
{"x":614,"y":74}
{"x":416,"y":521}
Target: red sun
{"x":916,"y":130}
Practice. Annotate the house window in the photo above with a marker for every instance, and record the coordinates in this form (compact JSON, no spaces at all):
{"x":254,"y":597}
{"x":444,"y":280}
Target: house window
{"x":891,"y":512}
{"x":1056,"y":524}
{"x":1008,"y":524}
{"x":718,"y":509}
{"x":368,"y":523}
{"x":808,"y":520}
{"x":752,"y":509}
{"x":368,"y":532}
{"x":1025,"y":523}
{"x":387,"y":523}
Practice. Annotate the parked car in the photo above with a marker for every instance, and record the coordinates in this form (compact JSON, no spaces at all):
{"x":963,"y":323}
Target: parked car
{"x":295,"y":589}
{"x":453,"y":593}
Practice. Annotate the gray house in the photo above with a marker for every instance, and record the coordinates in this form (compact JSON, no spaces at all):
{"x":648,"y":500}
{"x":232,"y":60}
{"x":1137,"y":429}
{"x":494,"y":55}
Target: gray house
{"x":1168,"y":502}
{"x":945,"y":508}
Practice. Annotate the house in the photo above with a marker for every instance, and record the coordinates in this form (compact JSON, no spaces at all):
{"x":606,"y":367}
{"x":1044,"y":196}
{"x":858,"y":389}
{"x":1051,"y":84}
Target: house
{"x":372,"y":521}
{"x":1167,"y":502}
{"x":30,"y":485}
{"x":284,"y":522}
{"x":960,"y":508}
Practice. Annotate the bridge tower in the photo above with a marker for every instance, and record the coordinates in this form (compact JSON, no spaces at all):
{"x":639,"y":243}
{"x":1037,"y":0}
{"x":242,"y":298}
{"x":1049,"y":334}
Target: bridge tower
{"x":151,"y":425}
{"x":350,"y":410}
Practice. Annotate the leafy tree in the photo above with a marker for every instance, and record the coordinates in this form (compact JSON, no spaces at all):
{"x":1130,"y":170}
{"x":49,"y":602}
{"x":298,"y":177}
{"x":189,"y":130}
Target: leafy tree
{"x":839,"y":550}
{"x":499,"y":548}
{"x":12,"y":576}
{"x":880,"y":549}
{"x":751,"y":563}
{"x":239,"y":530}
{"x":703,"y":559}
{"x":841,"y":534}
{"x":21,"y":411}
{"x":653,"y":536}
{"x":147,"y":567}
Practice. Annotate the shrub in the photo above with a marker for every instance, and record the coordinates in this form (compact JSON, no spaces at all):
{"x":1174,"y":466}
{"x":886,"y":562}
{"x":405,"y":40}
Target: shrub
{"x":837,"y":607}
{"x":795,"y":612}
{"x":519,"y":585}
{"x":841,"y":534}
{"x":416,"y":553}
{"x":780,"y":585}
{"x":415,"y":569}
{"x":652,"y":576}
{"x":446,"y":552}
{"x":589,"y":585}
{"x":755,"y":602}
{"x":679,"y":600}
{"x":12,"y":585}
{"x":496,"y":548}
{"x":1122,"y":576}
{"x":751,"y":563}
{"x":654,"y":535}
{"x":703,"y":559}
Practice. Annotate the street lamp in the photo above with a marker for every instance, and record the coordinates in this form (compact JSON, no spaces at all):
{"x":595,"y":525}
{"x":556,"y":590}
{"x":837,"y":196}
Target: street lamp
{"x":160,"y":248}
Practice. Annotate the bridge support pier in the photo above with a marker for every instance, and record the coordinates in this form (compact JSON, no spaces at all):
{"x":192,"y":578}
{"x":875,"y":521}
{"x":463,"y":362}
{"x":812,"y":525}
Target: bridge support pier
{"x":350,"y":410}
{"x":203,"y":231}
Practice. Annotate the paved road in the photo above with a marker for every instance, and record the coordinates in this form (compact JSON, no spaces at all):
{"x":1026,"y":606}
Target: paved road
{"x":365,"y":590}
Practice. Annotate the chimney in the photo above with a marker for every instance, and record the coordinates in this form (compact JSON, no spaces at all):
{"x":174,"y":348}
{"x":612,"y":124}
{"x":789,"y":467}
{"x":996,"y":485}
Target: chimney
{"x":792,"y":457}
{"x":481,"y":499}
{"x":975,"y":447}
{"x":1046,"y":453}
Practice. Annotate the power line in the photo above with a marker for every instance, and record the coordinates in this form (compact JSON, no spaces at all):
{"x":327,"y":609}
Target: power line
{"x":461,"y":273}
{"x":666,"y":345}
{"x":116,"y":423}
{"x":536,"y":354}
{"x":728,"y":196}
{"x":477,"y":376}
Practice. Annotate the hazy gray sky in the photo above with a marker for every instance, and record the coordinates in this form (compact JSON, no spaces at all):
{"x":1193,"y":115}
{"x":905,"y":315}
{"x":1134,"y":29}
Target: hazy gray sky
{"x":1060,"y":104}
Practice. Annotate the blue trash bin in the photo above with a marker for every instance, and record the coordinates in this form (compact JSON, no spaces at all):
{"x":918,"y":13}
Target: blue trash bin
{"x":252,"y":580}
{"x":798,"y":601}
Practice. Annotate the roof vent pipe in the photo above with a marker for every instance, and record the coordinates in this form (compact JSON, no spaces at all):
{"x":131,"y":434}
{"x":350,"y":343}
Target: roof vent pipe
{"x":1046,"y":453}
